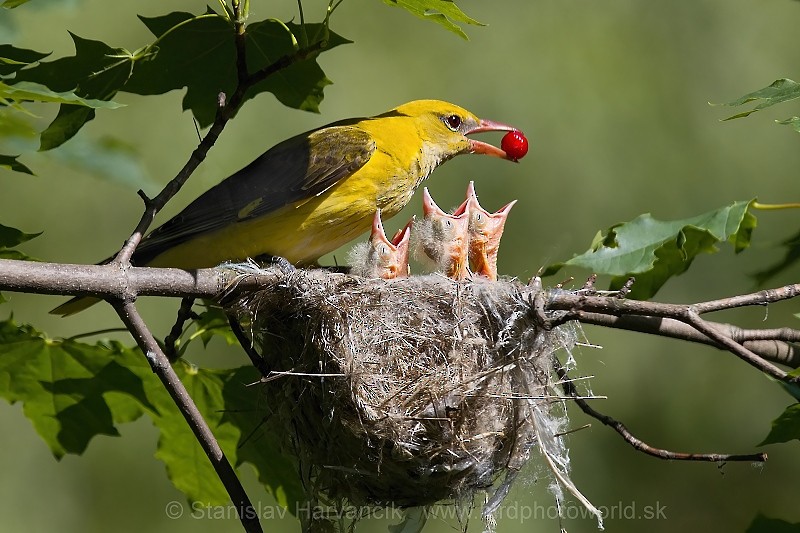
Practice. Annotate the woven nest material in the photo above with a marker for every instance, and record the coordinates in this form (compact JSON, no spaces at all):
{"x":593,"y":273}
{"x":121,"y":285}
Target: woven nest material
{"x":408,"y":392}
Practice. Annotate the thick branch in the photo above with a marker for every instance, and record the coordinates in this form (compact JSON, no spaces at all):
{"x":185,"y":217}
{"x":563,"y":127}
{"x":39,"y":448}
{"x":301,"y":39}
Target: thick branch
{"x":117,"y":282}
{"x":123,"y":283}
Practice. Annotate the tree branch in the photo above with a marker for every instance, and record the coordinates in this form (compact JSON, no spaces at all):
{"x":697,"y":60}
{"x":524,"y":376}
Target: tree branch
{"x":163,"y":369}
{"x":115,"y":282}
{"x":770,"y":344}
{"x":575,"y":303}
{"x":123,"y":285}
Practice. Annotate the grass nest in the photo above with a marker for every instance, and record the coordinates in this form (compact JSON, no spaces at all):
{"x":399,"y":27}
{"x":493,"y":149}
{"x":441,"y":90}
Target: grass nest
{"x":409,"y":392}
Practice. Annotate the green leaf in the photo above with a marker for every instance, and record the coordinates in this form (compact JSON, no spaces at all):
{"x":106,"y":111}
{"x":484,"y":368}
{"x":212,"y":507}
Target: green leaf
{"x":188,"y":467}
{"x":654,"y":251}
{"x":764,"y":524}
{"x":198,"y":53}
{"x":234,"y":412}
{"x":786,"y":427}
{"x":792,"y":256}
{"x":743,"y":237}
{"x":443,"y":12}
{"x":792,"y":389}
{"x":66,"y":386}
{"x":782,"y":90}
{"x":95,"y":72}
{"x":73,"y":391}
{"x":259,"y":441}
{"x":301,"y":85}
{"x":69,"y":120}
{"x":10,"y":237}
{"x":28,"y":91}
{"x":213,"y":323}
{"x":11,"y":4}
{"x":195,"y":52}
{"x":10,"y":162}
{"x":2,"y":298}
{"x":12,"y":58}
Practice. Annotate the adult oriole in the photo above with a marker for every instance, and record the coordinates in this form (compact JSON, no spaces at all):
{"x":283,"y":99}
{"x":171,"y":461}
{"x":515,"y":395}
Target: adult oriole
{"x":314,"y":192}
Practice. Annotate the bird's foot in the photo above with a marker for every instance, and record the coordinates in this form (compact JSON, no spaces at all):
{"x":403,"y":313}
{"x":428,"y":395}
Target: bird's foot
{"x":281,"y":263}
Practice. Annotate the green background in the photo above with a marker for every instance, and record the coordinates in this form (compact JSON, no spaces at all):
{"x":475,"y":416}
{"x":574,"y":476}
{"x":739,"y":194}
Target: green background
{"x":613,"y":96}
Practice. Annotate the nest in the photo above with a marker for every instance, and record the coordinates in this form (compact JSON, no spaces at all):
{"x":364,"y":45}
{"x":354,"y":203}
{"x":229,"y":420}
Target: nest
{"x":411,"y":391}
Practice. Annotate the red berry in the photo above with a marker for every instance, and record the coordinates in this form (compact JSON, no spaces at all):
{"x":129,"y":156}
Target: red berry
{"x":515,"y":145}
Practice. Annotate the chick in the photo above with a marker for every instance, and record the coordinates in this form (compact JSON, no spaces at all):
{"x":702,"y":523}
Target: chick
{"x":381,"y":257}
{"x":444,"y":237}
{"x":485,"y":231}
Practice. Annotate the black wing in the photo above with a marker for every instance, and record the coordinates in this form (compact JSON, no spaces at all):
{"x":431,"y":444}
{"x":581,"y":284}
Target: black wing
{"x":297,"y":169}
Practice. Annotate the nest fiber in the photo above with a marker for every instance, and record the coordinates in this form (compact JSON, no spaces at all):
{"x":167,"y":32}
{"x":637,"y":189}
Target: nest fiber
{"x":407,"y":392}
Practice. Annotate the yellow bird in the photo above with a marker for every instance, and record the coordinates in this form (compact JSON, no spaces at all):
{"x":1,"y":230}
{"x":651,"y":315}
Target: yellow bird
{"x":314,"y":192}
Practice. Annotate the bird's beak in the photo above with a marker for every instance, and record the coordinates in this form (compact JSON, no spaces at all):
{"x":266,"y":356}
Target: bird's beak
{"x":429,"y":207}
{"x":460,"y":210}
{"x":403,"y":235}
{"x":378,"y":233}
{"x":480,"y":147}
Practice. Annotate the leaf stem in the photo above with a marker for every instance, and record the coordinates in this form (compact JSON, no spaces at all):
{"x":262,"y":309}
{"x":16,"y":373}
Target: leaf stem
{"x":767,"y":207}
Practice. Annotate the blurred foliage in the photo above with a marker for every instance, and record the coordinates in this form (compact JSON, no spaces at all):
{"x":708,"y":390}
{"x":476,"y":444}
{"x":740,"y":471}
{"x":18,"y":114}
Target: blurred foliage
{"x":764,"y":524}
{"x":790,"y":259}
{"x":786,"y":427}
{"x":613,"y":96}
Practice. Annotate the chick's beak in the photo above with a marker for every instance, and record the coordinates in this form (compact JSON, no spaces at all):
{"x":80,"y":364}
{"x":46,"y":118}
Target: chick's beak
{"x":480,"y":147}
{"x":378,"y":234}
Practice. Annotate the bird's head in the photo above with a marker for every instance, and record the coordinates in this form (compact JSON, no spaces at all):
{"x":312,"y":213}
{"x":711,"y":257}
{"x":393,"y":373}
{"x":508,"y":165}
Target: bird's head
{"x":444,"y":127}
{"x":446,"y":238}
{"x":388,"y":259}
{"x":485,"y":227}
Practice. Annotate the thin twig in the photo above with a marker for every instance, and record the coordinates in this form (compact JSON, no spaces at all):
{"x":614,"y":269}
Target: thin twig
{"x":570,"y":390}
{"x":185,"y":313}
{"x":743,"y":353}
{"x":161,"y":367}
{"x":247,"y":344}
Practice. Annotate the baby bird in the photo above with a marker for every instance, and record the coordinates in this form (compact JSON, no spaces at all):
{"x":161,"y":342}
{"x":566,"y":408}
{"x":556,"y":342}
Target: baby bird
{"x":444,"y":237}
{"x":485,"y":230}
{"x":381,"y":257}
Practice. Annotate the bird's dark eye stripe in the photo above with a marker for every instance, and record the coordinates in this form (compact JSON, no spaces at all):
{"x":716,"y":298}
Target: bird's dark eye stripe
{"x":453,"y":121}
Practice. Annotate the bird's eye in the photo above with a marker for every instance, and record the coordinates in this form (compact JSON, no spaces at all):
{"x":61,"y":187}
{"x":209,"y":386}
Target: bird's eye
{"x":453,"y":122}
